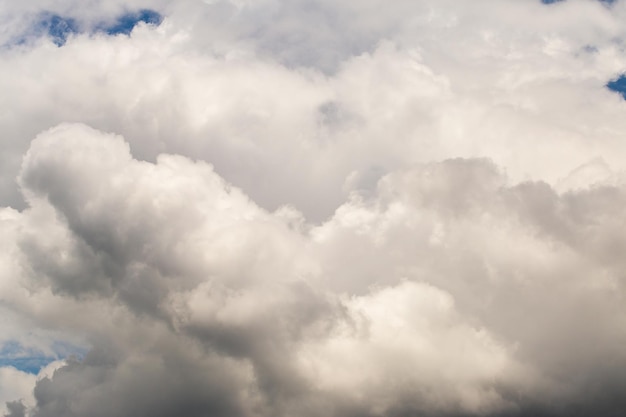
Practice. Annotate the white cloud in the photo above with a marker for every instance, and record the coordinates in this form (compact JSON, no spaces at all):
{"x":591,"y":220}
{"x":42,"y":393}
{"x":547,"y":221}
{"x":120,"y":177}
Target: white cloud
{"x":15,"y":386}
{"x":440,"y":305}
{"x":317,"y":208}
{"x":405,"y":348}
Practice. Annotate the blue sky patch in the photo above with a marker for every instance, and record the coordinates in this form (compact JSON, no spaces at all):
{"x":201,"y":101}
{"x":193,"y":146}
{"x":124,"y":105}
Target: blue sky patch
{"x":618,"y":85}
{"x":59,"y":28}
{"x":31,"y":360}
{"x":125,"y":23}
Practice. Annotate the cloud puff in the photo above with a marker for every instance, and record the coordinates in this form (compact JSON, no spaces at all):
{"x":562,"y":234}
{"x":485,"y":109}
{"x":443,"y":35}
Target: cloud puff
{"x":408,"y":301}
{"x":16,"y":390}
{"x":315,"y":209}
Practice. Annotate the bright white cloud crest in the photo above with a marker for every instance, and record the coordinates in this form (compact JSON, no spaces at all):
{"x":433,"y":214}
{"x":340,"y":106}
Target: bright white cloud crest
{"x":315,"y":209}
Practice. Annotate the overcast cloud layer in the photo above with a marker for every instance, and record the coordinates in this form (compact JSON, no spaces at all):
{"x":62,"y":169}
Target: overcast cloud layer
{"x":329,"y":208}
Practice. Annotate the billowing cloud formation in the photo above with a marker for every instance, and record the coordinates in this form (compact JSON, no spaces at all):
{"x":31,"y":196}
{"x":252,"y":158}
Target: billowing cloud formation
{"x":314,"y":209}
{"x":412,"y":300}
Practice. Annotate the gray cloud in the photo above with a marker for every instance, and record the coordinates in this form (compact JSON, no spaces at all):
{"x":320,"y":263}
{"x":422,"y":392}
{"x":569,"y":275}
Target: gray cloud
{"x":410,"y":301}
{"x":16,"y":409}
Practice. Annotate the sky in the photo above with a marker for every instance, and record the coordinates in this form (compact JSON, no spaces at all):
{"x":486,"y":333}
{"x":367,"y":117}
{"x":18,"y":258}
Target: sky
{"x":312,"y":208}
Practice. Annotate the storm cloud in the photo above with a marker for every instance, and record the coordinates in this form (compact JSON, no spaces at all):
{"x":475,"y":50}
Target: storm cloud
{"x":312,"y":208}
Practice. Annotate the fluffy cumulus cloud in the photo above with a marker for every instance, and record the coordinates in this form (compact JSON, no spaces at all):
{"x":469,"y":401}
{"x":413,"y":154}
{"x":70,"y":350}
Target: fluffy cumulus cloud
{"x":312,"y":208}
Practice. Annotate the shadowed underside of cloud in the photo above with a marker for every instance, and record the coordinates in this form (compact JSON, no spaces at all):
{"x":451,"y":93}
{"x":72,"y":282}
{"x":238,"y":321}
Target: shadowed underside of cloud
{"x":207,"y":304}
{"x":327,"y":208}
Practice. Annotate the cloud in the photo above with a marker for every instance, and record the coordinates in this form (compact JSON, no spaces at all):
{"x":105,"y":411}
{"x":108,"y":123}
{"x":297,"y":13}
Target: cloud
{"x":220,"y":104}
{"x":313,"y":208}
{"x":15,"y":390}
{"x":188,"y":278}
